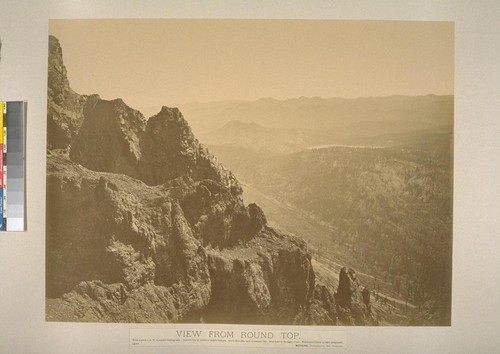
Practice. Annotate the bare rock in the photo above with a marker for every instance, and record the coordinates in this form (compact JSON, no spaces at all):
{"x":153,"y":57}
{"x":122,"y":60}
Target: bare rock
{"x":269,"y":280}
{"x":353,"y":301}
{"x":144,"y":225}
{"x":109,"y":138}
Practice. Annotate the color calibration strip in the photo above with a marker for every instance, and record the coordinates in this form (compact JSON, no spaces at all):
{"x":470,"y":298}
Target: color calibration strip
{"x":3,"y":111}
{"x":12,"y":166}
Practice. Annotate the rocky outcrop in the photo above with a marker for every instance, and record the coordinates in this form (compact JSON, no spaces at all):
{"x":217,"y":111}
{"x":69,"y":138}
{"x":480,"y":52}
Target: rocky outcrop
{"x":144,"y":225}
{"x":111,"y":234}
{"x":171,"y":150}
{"x":353,"y":301}
{"x":109,"y":138}
{"x":270,"y":280}
{"x":323,"y":309}
{"x":64,"y":107}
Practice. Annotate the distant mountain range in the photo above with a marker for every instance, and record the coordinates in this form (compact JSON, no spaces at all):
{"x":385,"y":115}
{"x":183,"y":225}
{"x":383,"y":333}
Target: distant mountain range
{"x":304,"y":112}
{"x":322,"y":113}
{"x":290,"y":125}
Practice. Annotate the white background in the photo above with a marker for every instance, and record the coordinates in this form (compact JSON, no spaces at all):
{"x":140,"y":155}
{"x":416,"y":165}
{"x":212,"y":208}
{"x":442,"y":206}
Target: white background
{"x":476,"y":281}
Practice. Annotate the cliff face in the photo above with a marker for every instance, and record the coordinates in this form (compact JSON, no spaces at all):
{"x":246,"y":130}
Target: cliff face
{"x":64,"y":106}
{"x":144,"y":225}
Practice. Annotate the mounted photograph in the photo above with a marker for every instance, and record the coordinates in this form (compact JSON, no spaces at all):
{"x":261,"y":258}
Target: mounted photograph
{"x":229,"y":171}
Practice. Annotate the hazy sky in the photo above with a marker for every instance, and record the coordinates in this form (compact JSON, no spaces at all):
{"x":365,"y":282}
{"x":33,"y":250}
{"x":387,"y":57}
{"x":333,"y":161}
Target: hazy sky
{"x":165,"y":62}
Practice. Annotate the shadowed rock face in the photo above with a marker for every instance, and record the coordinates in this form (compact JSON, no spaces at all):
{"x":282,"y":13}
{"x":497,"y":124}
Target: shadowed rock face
{"x":144,"y":225}
{"x":109,"y":138}
{"x":64,"y":106}
{"x":353,"y":301}
{"x":348,"y":292}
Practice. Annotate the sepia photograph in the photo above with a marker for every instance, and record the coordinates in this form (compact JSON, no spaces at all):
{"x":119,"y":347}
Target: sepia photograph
{"x":238,"y":171}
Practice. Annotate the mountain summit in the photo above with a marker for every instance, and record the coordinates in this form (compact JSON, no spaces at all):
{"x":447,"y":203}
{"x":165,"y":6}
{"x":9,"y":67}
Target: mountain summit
{"x":144,"y":225}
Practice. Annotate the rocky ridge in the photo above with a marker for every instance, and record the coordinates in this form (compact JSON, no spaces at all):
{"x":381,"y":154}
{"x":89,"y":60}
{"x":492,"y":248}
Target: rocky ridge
{"x":144,"y":225}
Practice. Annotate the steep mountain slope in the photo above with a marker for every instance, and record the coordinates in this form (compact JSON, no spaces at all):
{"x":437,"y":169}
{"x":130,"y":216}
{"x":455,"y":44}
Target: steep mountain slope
{"x":389,"y":208}
{"x":144,"y":225}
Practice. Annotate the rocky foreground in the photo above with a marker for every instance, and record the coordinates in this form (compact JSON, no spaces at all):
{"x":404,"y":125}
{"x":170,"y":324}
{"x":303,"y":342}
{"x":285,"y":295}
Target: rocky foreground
{"x":144,"y":225}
